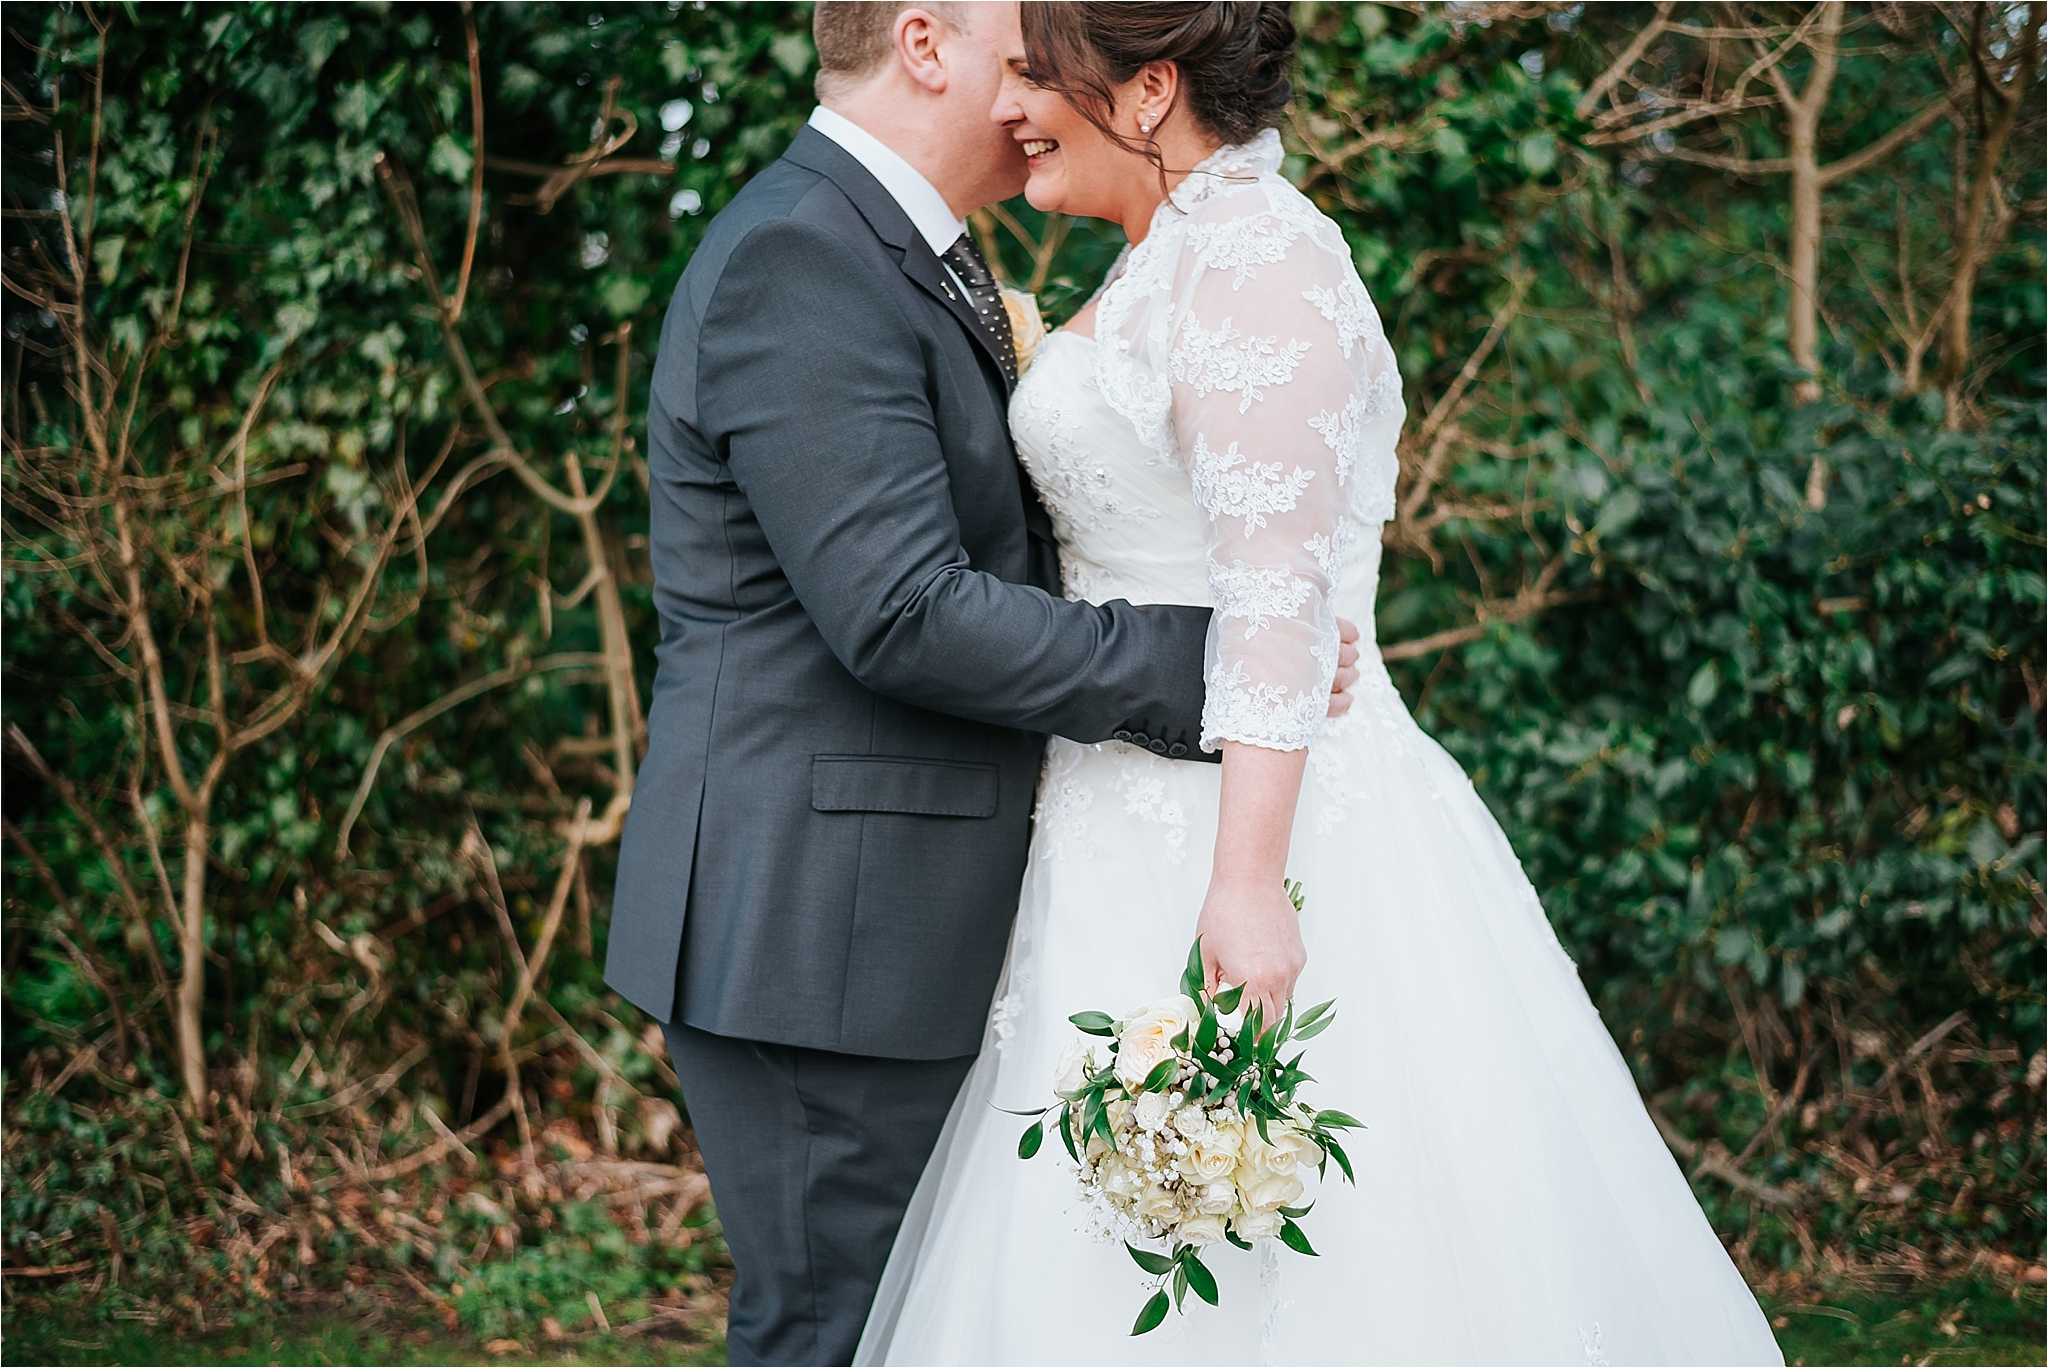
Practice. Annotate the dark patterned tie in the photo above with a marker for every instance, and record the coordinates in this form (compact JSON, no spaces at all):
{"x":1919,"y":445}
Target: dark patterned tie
{"x":986,"y":298}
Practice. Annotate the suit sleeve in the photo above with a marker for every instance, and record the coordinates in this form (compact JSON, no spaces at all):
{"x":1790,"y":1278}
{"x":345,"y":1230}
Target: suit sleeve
{"x":813,"y":384}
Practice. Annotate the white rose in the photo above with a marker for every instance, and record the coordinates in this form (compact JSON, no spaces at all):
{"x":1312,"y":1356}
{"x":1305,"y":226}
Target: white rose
{"x":1300,"y":1150}
{"x":1146,"y":1038}
{"x":1156,"y":1203}
{"x":1217,"y":1198}
{"x":1152,"y":1111}
{"x":1257,"y":1225}
{"x":1075,"y":1066}
{"x":1200,"y":1230}
{"x":1207,"y":1165}
{"x":1268,"y":1192}
{"x":1279,"y":1158}
{"x":1194,"y":1123}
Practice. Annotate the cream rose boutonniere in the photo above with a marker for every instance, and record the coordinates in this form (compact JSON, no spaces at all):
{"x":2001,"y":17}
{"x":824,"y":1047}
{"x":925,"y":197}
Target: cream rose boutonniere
{"x":1027,"y":329}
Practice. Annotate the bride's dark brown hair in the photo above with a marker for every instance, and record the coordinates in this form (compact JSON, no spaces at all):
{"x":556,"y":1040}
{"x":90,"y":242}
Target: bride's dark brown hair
{"x":1232,"y":56}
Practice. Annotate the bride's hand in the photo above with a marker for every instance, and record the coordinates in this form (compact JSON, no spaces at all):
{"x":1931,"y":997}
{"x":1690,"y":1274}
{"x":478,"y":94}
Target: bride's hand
{"x":1251,"y":935}
{"x":1347,"y":667}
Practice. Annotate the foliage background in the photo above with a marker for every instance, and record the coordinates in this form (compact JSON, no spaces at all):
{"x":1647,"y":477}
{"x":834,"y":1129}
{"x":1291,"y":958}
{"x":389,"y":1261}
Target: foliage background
{"x":1745,"y":650}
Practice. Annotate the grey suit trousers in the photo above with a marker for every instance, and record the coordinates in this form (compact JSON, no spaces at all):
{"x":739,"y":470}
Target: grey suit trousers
{"x":812,"y":1157}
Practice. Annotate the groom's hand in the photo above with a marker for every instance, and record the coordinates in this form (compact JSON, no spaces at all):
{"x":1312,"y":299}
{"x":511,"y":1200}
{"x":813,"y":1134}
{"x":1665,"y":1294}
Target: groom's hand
{"x":1347,"y":667}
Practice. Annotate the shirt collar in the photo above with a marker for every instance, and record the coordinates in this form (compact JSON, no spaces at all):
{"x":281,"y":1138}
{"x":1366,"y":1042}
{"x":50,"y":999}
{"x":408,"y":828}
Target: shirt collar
{"x":923,"y":205}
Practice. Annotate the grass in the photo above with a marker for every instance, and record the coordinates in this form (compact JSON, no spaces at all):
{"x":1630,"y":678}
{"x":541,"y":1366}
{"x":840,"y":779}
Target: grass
{"x":380,"y":1330}
{"x":1968,"y":1321}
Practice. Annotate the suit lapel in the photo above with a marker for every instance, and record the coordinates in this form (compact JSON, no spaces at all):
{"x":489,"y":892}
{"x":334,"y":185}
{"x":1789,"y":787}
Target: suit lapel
{"x":816,"y":152}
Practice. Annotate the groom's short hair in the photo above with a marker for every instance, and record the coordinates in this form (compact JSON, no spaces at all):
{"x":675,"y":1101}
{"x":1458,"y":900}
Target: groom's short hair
{"x":853,"y":36}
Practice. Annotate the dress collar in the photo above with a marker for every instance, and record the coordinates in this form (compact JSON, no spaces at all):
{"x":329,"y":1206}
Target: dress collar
{"x":1238,"y":162}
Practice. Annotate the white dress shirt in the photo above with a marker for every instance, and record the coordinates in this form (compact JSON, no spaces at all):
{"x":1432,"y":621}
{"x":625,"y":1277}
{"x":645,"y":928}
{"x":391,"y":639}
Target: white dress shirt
{"x":923,"y":205}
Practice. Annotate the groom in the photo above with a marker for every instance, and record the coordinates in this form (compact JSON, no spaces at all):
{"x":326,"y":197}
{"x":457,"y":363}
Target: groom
{"x":863,"y":646}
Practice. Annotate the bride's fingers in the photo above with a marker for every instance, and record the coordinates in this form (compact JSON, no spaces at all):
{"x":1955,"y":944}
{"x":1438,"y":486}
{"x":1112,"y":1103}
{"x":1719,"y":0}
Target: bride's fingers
{"x":1347,"y":653}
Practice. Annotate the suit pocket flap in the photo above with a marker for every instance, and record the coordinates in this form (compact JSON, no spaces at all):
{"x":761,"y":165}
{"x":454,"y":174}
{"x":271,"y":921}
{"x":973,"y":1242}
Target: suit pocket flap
{"x":890,"y":783}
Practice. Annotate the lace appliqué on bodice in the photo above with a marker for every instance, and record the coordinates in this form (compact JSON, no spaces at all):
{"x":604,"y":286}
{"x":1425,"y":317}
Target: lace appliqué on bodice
{"x":1075,"y":481}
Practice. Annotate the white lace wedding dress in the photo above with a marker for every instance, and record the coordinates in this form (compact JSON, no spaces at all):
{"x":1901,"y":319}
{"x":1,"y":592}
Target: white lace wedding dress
{"x":1230,"y":440}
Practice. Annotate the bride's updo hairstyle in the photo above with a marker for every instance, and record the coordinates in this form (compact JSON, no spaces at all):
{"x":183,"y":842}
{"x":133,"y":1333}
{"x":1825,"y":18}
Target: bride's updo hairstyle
{"x":1232,"y":56}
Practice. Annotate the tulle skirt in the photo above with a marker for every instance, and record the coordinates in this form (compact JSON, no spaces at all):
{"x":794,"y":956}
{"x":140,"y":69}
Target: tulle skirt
{"x":1514,"y":1205}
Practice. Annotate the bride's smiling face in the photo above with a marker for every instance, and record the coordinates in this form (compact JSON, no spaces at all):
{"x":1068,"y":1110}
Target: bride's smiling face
{"x":1074,"y":168}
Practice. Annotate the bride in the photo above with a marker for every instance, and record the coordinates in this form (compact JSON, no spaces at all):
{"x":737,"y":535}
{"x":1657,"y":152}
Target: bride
{"x":1218,"y":427}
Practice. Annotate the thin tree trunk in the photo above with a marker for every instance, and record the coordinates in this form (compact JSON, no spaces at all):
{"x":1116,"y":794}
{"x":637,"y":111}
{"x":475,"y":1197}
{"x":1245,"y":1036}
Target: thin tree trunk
{"x":192,"y":972}
{"x":1955,"y":345}
{"x":1802,"y":119}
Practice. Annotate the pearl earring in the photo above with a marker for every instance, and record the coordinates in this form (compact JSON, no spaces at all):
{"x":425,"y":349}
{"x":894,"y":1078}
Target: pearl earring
{"x":1145,"y":125}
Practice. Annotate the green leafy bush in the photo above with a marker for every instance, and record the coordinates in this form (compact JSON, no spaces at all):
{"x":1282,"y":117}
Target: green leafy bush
{"x":1754,"y":681}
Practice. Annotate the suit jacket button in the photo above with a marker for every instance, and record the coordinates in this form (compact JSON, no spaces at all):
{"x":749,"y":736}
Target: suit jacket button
{"x":1124,"y":735}
{"x":1176,"y":751}
{"x":1157,"y":748}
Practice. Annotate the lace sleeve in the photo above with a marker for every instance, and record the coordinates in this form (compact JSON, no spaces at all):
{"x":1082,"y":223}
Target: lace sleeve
{"x":1272,"y":368}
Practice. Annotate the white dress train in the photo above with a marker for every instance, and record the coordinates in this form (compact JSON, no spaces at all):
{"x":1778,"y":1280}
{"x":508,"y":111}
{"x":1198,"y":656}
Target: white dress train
{"x":1229,"y":441}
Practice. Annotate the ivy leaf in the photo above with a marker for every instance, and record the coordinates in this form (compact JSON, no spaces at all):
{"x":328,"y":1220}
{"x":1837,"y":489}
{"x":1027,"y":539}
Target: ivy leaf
{"x":1199,"y":1277}
{"x":1155,"y":1264}
{"x":1094,"y":1023}
{"x":1336,"y":1151}
{"x":1161,"y":1075}
{"x":1226,"y":1002}
{"x":1291,"y":1236}
{"x":1067,"y":1132}
{"x":1332,"y":1119}
{"x":1192,"y":979}
{"x":1033,"y":1138}
{"x":1154,"y":1312}
{"x":1102,"y":1125}
{"x":1313,"y":1029}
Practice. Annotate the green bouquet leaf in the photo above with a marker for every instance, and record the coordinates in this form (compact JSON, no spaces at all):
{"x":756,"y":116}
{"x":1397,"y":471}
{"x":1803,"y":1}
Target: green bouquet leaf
{"x":1032,"y":1139}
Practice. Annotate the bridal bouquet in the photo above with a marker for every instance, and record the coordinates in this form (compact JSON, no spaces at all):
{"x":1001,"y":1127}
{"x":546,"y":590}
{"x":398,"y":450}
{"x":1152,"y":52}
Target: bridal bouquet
{"x":1187,"y":1129}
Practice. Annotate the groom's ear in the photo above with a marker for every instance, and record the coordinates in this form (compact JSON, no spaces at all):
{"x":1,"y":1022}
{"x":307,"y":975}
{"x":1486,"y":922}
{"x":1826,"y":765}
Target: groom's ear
{"x":918,"y":37}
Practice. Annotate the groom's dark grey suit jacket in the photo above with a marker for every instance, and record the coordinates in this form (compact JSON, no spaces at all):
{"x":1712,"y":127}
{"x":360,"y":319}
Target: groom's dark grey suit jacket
{"x":863,"y":643}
